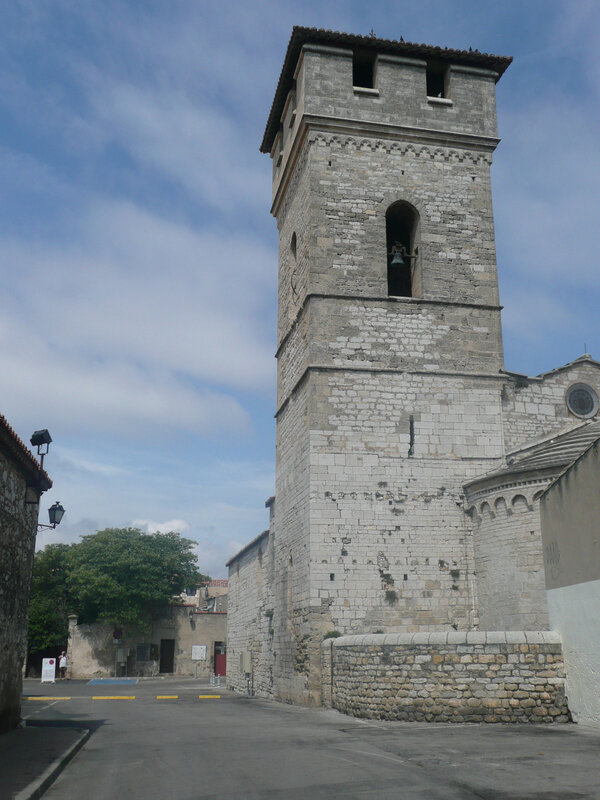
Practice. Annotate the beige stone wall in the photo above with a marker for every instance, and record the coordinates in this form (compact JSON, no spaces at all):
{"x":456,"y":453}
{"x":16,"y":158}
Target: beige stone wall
{"x":456,"y":677}
{"x":385,"y":522}
{"x":369,"y":531}
{"x":251,"y":619}
{"x":365,"y":534}
{"x":324,"y":90}
{"x":91,"y":650}
{"x":508,"y":561}
{"x":535,"y":407}
{"x":18,"y":528}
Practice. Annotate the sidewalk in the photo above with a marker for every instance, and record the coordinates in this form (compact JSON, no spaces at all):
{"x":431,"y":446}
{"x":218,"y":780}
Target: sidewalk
{"x":31,"y":758}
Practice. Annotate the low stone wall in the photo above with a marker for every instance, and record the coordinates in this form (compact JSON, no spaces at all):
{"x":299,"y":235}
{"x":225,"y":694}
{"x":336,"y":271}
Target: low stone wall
{"x":459,"y":676}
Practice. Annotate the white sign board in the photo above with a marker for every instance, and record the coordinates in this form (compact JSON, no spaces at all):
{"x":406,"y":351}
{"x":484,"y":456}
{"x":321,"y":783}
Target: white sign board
{"x":198,"y":652}
{"x":48,"y":670}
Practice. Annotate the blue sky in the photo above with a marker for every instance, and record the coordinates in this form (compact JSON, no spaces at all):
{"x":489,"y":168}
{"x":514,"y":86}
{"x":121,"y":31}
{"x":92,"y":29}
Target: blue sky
{"x":138,"y":256}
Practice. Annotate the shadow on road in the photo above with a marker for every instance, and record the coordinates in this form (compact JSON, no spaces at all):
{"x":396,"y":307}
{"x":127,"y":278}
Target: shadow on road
{"x":83,"y":723}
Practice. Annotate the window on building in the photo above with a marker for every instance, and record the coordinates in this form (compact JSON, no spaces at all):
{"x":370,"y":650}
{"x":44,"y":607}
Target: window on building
{"x":142,"y":652}
{"x":401,"y":222}
{"x":363,"y":68}
{"x":437,"y":79}
{"x":582,"y":400}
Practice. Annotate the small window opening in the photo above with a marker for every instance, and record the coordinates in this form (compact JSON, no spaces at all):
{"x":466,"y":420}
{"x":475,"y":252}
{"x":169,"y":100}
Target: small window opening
{"x":401,"y":227}
{"x":363,"y":68}
{"x":411,"y":435}
{"x":293,"y":245}
{"x":292,"y":106}
{"x":332,"y":576}
{"x":437,"y":79}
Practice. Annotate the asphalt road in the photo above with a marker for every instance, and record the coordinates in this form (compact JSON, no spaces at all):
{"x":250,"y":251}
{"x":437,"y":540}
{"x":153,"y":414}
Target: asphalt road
{"x":192,"y":748}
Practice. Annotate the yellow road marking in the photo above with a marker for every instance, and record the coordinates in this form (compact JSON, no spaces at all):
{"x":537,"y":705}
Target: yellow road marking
{"x":209,"y":697}
{"x":113,"y":697}
{"x":45,"y":698}
{"x":167,"y":696}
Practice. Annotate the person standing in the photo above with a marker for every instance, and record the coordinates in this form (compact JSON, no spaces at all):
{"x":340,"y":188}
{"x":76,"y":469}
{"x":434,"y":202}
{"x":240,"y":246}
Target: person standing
{"x":62,"y":666}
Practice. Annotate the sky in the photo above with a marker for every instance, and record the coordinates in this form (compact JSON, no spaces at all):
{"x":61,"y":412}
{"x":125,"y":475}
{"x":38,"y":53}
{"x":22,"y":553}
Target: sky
{"x":138,"y":256}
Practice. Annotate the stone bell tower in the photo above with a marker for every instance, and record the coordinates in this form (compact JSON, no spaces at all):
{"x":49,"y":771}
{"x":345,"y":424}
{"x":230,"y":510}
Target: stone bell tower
{"x":389,"y":339}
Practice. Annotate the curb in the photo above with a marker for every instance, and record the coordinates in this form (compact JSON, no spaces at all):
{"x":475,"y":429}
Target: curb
{"x":37,"y":787}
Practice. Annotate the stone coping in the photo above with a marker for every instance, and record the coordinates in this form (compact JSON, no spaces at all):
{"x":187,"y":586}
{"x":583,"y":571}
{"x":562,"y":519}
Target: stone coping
{"x":447,"y":638}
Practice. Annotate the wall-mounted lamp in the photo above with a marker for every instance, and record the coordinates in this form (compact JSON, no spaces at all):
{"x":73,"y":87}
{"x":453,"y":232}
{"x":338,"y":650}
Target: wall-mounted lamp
{"x":55,"y":514}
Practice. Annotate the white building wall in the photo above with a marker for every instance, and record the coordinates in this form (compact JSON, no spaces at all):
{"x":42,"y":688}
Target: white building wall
{"x":575,"y":615}
{"x":570,"y":514}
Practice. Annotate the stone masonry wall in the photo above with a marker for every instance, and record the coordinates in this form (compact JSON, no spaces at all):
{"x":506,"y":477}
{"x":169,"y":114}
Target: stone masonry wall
{"x":18,"y":528}
{"x":389,"y":544}
{"x":324,"y":89}
{"x":354,"y":180}
{"x":250,"y":618}
{"x":509,"y":676}
{"x":508,"y":560}
{"x":91,"y":650}
{"x":536,"y":408}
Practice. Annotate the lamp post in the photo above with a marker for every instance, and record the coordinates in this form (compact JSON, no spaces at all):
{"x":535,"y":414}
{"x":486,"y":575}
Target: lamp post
{"x":41,"y":439}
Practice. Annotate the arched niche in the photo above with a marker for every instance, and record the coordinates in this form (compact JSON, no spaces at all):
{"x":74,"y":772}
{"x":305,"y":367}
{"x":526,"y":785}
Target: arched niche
{"x":485,"y":510}
{"x":519,"y":504}
{"x":500,"y":506}
{"x":402,"y":233}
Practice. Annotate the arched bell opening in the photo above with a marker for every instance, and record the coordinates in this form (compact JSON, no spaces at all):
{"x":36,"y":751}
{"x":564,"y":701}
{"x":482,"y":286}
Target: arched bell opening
{"x":401,"y":226}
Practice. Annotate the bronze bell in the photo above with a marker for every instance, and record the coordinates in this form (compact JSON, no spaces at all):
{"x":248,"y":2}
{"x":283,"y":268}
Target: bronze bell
{"x":397,"y":260}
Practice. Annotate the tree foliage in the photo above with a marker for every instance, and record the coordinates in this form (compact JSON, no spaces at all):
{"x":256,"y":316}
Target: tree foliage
{"x":119,"y":575}
{"x":48,"y":624}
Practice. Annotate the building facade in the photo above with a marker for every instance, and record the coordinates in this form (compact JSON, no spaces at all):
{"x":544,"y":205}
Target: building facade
{"x":21,"y":483}
{"x":188,"y":640}
{"x":570,"y":512}
{"x":393,"y":401}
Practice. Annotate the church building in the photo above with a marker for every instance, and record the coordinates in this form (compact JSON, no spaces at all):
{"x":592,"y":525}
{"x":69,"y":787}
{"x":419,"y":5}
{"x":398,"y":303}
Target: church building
{"x":409,"y":460}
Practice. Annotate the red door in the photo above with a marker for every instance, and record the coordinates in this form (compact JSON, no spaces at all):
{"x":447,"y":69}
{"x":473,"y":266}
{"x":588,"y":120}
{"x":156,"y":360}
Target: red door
{"x":220,"y":658}
{"x":220,"y":664}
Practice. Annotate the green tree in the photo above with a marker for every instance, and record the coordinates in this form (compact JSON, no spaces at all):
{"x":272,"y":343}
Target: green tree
{"x":126,"y":577}
{"x":48,"y":600}
{"x":119,"y":575}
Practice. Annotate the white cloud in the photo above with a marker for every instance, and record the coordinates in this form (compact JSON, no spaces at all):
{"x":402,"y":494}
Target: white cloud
{"x":151,"y":526}
{"x":194,"y":143}
{"x":137,"y":320}
{"x":73,"y":460}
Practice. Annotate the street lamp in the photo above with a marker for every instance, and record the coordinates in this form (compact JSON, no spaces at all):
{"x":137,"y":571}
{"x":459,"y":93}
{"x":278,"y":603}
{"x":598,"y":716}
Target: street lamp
{"x":41,"y":439}
{"x":55,"y":514}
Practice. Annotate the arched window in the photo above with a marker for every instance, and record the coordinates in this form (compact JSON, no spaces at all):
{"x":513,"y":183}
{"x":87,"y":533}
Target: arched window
{"x":401,"y":224}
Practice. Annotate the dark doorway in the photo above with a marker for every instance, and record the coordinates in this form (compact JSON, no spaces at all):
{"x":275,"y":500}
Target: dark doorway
{"x":220,"y":659}
{"x":167,"y":655}
{"x":34,"y":660}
